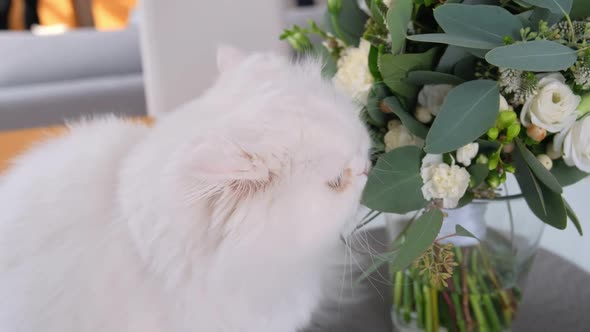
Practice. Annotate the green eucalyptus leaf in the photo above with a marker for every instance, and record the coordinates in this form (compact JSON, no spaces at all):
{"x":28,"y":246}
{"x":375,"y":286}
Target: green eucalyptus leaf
{"x":544,"y":14}
{"x":567,"y":175}
{"x":394,"y":184}
{"x":451,"y":56}
{"x":466,"y":20}
{"x":468,"y":111}
{"x":422,"y":77}
{"x":377,"y":93}
{"x":461,"y":231}
{"x":410,"y":122}
{"x":542,"y":174}
{"x":395,"y":69}
{"x":419,"y":237}
{"x":478,"y":172}
{"x":378,"y":261}
{"x":573,"y":217}
{"x":545,"y":204}
{"x":399,"y":16}
{"x":538,"y":56}
{"x":351,"y":21}
{"x":466,"y":199}
{"x":456,"y":40}
{"x":555,"y":6}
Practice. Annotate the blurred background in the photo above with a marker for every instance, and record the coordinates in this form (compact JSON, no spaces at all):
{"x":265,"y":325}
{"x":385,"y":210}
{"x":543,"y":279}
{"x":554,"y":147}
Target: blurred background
{"x":66,"y":59}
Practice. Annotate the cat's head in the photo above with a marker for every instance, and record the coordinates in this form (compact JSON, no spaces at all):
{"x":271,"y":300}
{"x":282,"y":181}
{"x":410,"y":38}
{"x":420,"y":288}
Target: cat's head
{"x":279,"y":152}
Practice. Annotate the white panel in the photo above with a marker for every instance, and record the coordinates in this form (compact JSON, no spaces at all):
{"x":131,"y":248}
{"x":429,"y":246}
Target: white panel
{"x":179,"y":38}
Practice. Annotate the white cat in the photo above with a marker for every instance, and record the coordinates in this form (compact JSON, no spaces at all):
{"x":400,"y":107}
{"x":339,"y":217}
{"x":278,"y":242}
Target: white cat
{"x":222,"y":217}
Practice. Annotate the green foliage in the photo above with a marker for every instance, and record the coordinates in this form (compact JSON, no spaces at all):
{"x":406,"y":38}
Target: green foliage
{"x":567,"y":175}
{"x":466,"y":20}
{"x":395,"y":69}
{"x":378,"y":92}
{"x":538,"y":56}
{"x":418,"y":238}
{"x":545,"y":204}
{"x":399,"y":16}
{"x":464,"y":27}
{"x":573,"y":217}
{"x":580,"y":9}
{"x":467,"y":113}
{"x":538,"y":169}
{"x":478,"y":172}
{"x":374,"y":63}
{"x":461,"y":41}
{"x":555,"y":6}
{"x":409,"y":121}
{"x":348,"y":23}
{"x":461,"y":231}
{"x":422,"y":77}
{"x":394,"y":184}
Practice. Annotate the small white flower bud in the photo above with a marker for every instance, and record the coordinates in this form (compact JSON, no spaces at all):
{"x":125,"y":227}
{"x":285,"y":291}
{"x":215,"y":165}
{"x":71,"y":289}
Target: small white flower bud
{"x":545,"y":161}
{"x":423,"y":114}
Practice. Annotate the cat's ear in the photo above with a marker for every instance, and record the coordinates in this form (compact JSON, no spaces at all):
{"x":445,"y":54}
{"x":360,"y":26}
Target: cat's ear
{"x":222,"y":162}
{"x":228,"y":57}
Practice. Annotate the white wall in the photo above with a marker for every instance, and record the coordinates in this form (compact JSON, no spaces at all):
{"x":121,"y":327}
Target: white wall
{"x":179,"y":38}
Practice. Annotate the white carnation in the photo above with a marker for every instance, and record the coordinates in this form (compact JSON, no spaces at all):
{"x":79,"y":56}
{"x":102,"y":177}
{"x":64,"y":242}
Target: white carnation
{"x":467,"y":153}
{"x":442,"y":181}
{"x":399,"y":136}
{"x":553,"y":107}
{"x":432,"y":96}
{"x":353,"y":76}
{"x":574,"y":145}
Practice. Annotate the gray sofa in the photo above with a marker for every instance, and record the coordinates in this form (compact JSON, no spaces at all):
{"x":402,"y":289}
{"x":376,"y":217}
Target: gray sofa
{"x":45,"y":80}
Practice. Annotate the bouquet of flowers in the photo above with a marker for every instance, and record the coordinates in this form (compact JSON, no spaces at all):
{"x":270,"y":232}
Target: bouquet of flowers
{"x":458,"y":95}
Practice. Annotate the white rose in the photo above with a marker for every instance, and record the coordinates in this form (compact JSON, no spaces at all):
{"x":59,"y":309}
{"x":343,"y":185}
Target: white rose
{"x":442,"y":181}
{"x":467,"y":153}
{"x":399,"y":136}
{"x":574,"y":145}
{"x":553,"y":107}
{"x":387,"y":3}
{"x":353,"y":76}
{"x":432,"y":96}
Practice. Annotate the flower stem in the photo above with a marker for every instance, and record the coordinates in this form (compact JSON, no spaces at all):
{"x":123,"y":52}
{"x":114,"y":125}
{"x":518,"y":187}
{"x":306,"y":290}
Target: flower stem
{"x":434,"y":299}
{"x":428,"y":309}
{"x":407,"y":298}
{"x":419,"y":303}
{"x":397,"y":293}
{"x":465,"y":291}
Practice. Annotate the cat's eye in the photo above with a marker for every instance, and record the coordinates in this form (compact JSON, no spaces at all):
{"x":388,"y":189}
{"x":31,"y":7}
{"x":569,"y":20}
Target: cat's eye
{"x":341,"y":181}
{"x":336,"y":183}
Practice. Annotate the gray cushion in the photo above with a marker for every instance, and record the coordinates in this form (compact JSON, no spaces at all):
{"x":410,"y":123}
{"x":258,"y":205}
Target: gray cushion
{"x":78,"y":54}
{"x":54,"y":103}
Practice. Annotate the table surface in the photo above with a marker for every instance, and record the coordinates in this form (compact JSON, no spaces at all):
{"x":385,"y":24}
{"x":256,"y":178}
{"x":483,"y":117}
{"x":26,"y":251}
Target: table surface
{"x":556,"y":298}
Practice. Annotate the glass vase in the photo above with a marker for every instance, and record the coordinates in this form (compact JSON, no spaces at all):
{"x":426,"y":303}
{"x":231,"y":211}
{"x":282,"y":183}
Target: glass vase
{"x":484,"y":290}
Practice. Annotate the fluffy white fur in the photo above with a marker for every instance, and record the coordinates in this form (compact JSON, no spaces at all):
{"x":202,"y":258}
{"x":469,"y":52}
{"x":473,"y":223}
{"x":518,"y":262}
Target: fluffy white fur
{"x":222,"y":217}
